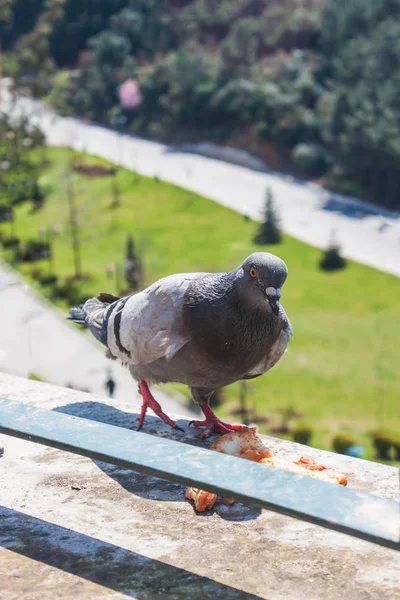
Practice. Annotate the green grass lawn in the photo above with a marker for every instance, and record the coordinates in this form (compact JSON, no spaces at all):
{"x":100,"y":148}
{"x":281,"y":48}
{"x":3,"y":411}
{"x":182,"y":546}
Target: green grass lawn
{"x":341,"y":369}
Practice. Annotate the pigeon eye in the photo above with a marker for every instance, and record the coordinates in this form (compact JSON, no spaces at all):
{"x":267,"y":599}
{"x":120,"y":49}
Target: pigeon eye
{"x":253,"y":273}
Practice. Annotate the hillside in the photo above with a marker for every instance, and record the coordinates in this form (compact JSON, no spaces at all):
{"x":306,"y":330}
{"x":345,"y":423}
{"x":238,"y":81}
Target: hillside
{"x":340,"y":369}
{"x":311,"y":86}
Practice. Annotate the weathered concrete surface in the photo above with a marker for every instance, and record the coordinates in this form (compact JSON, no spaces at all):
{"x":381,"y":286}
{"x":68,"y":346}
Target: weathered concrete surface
{"x":73,"y":528}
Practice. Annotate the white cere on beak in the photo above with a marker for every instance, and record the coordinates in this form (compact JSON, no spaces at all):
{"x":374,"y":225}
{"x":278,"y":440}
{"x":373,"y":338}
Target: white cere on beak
{"x":273,"y":292}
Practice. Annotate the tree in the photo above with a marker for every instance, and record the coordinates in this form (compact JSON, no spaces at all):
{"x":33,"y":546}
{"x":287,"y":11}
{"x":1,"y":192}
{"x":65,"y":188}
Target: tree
{"x":109,"y":49}
{"x":269,"y":231}
{"x":35,"y":63}
{"x":239,"y":49}
{"x":82,"y":20}
{"x":361,"y":41}
{"x":147,"y":26}
{"x":19,"y":167}
{"x":133,"y":266}
{"x":309,"y":160}
{"x":332,"y":260}
{"x":74,"y":222}
{"x":6,"y":11}
{"x":37,"y":196}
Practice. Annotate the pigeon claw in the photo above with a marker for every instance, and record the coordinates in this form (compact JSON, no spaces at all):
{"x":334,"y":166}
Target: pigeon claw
{"x":216,"y":427}
{"x":150,"y":402}
{"x":213,"y":424}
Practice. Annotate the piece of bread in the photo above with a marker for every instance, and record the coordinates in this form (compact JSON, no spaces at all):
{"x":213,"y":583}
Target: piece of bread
{"x":308,"y":467}
{"x":244,"y":443}
{"x":202,"y":500}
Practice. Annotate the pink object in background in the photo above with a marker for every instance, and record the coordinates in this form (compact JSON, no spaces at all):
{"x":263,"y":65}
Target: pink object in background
{"x":129,"y":93}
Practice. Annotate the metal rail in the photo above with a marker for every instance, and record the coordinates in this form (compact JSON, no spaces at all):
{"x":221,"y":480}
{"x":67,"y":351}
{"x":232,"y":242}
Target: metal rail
{"x":358,"y":514}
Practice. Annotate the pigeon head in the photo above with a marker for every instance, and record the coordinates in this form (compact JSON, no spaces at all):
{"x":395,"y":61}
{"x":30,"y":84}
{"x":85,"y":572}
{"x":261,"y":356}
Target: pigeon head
{"x":261,"y":278}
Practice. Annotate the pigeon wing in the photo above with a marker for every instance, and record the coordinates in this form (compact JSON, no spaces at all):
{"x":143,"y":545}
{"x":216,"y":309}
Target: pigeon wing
{"x":149,"y":325}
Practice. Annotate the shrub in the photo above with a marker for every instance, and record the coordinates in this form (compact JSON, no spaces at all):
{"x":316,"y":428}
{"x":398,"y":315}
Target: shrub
{"x":69,"y":292}
{"x":240,"y":47}
{"x":332,"y":260}
{"x":35,"y":250}
{"x":48,"y":279}
{"x":383,"y":441}
{"x":342,"y":441}
{"x":11,"y":242}
{"x":37,"y":196}
{"x":396,"y":446}
{"x":60,"y":92}
{"x":6,"y":213}
{"x":36,"y":274}
{"x":302,"y":433}
{"x":263,"y":130}
{"x":309,"y":160}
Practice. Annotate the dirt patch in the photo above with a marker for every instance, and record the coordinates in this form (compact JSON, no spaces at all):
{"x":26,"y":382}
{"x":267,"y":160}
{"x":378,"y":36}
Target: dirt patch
{"x":93,"y":170}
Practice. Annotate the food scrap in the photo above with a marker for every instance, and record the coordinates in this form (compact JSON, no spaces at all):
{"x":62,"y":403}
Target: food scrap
{"x":308,"y":467}
{"x":243,"y":443}
{"x":246,"y":444}
{"x":202,"y":500}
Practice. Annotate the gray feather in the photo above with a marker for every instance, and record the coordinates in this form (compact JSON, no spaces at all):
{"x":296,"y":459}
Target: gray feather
{"x":150,"y":325}
{"x":77,"y":315}
{"x":93,"y":314}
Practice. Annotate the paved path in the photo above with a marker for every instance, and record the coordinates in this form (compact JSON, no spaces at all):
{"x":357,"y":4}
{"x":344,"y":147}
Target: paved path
{"x":310,"y":213}
{"x":35,"y":337}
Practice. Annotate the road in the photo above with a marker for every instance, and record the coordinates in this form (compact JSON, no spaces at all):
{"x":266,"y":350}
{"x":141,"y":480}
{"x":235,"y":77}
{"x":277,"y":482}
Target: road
{"x":309,"y":213}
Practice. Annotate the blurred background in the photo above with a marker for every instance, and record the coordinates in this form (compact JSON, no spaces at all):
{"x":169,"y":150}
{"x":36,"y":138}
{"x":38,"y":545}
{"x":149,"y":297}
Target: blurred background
{"x":145,"y":137}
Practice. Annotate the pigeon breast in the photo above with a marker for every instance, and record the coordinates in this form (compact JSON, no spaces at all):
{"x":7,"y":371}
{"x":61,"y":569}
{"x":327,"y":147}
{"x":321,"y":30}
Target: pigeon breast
{"x":222,"y":327}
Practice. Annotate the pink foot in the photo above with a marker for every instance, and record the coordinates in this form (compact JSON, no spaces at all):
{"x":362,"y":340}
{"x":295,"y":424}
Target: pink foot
{"x":149,"y":401}
{"x":214,"y":425}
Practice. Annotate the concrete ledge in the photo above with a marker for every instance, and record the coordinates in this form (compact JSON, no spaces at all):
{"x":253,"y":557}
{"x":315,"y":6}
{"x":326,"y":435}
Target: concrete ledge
{"x":71,"y":527}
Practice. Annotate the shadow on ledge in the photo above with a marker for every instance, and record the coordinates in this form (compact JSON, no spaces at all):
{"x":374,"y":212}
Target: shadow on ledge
{"x":145,"y":486}
{"x":129,"y":573}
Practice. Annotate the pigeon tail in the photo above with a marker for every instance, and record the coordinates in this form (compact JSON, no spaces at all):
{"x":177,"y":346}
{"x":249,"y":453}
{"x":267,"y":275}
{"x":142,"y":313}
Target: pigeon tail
{"x":93,"y":314}
{"x":81,"y":314}
{"x":77,"y":315}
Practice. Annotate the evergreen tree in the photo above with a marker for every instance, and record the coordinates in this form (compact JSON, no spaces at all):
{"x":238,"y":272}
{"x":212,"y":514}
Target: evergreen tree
{"x":332,"y":260}
{"x":361,"y":43}
{"x":133,"y":266}
{"x":269,"y":231}
{"x":37,"y":196}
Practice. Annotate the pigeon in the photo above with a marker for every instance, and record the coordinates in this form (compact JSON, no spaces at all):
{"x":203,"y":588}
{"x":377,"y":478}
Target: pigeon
{"x":205,"y":330}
